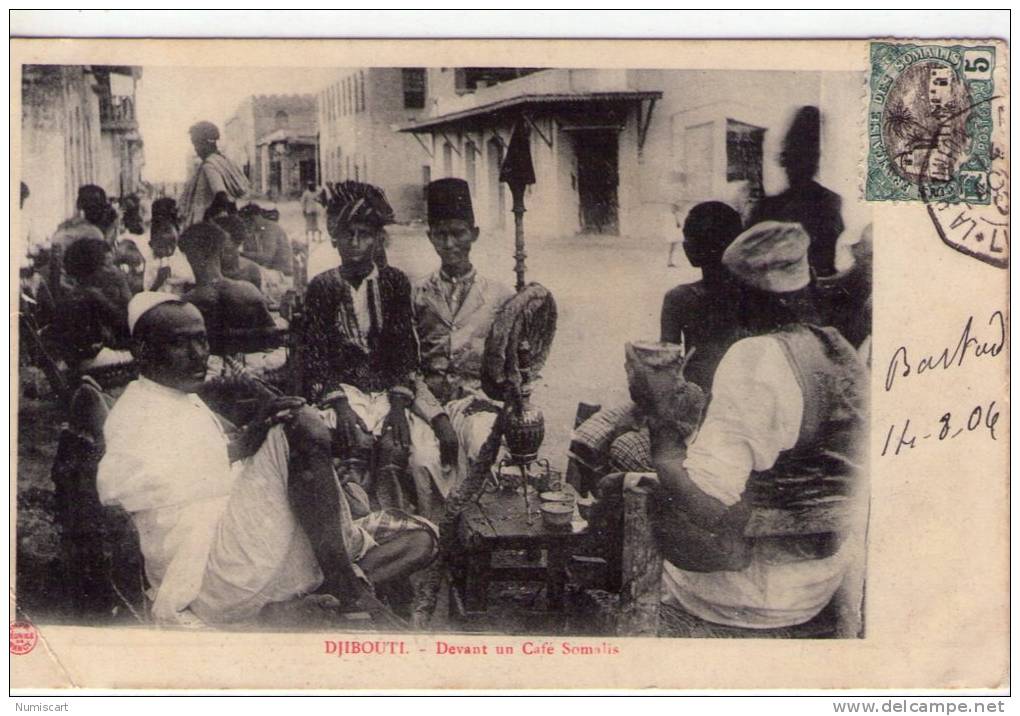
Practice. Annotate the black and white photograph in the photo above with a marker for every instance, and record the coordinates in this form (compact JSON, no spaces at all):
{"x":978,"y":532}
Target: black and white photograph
{"x":510,"y":350}
{"x":411,"y":371}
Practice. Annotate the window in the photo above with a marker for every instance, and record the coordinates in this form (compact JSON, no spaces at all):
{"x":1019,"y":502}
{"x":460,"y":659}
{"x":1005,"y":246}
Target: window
{"x":744,"y":155}
{"x":361,"y":91}
{"x":282,"y":119}
{"x":413,"y":79}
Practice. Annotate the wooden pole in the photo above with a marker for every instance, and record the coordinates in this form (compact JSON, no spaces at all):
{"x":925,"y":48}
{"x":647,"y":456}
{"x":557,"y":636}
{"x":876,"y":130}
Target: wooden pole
{"x":517,"y":190}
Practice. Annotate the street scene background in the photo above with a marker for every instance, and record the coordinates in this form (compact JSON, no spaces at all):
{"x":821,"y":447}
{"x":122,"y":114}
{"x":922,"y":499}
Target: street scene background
{"x":619,"y":157}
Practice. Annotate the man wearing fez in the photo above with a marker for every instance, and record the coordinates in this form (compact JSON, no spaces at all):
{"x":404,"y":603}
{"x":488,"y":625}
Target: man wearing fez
{"x":454,"y":308}
{"x":214,"y":174}
{"x":361,"y":353}
{"x":783,"y":433}
{"x":805,"y":201}
{"x":232,"y":520}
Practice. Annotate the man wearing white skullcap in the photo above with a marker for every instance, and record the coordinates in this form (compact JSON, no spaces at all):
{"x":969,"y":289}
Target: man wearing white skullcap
{"x":230,"y":522}
{"x":754,"y":516}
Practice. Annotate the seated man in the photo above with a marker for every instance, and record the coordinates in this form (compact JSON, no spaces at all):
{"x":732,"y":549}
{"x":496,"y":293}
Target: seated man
{"x":784,"y":434}
{"x":269,"y":246}
{"x":702,"y":316}
{"x":230,"y":308}
{"x":235,"y":265}
{"x":229,"y":526}
{"x":454,"y":308}
{"x":360,"y":350}
{"x":91,"y":316}
{"x":166,"y":269}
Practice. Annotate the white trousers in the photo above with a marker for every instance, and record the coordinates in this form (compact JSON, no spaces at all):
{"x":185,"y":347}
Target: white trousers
{"x":432,"y":481}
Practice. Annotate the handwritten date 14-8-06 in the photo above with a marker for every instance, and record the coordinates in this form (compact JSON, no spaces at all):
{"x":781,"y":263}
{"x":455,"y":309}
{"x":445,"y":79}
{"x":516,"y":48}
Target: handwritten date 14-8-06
{"x":980,"y":418}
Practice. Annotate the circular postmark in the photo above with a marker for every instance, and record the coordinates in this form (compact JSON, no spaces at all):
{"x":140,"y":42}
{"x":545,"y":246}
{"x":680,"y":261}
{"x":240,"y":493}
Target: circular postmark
{"x":979,"y":229}
{"x":23,"y":638}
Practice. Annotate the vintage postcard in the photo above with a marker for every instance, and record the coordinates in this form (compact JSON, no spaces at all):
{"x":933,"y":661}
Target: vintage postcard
{"x":420,"y":364}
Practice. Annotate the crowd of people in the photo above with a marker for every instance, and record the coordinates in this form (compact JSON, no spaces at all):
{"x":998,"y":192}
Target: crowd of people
{"x":247,"y":492}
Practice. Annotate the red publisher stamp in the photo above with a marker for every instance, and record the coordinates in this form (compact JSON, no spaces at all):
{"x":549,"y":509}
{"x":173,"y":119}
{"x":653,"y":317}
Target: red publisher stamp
{"x":23,"y":637}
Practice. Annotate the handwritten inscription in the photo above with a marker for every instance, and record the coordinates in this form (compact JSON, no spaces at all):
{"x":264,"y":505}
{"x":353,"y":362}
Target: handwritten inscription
{"x":973,"y":343}
{"x":907,"y":436}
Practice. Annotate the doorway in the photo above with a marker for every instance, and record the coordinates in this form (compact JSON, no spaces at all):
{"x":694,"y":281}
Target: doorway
{"x":598,"y":180}
{"x":275,"y":178}
{"x":306,"y":169}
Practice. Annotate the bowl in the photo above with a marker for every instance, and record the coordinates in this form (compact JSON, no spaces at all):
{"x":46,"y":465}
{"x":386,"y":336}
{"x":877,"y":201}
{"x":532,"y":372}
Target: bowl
{"x":557,"y":514}
{"x":557,"y":496}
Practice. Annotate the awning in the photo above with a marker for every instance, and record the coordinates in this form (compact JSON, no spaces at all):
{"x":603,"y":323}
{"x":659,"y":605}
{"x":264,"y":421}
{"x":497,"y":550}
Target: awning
{"x":286,"y":135}
{"x":572,"y":104}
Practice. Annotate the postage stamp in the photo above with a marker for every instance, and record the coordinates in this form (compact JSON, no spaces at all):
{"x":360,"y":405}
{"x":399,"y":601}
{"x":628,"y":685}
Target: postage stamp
{"x":930,"y":123}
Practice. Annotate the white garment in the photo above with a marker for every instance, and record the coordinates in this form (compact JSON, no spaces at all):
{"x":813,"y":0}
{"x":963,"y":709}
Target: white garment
{"x":472,"y":432}
{"x":359,"y":296}
{"x":755,"y":414}
{"x":181,"y":275}
{"x":424,"y":461}
{"x":216,"y":537}
{"x":166,"y":463}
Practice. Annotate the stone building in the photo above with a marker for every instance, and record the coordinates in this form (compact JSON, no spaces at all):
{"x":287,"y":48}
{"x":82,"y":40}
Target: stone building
{"x":357,"y":116}
{"x":272,"y":138}
{"x":78,"y":126}
{"x":625,"y":152}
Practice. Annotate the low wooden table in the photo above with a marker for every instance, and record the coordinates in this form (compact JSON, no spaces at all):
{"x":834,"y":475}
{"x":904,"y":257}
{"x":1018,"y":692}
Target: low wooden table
{"x":498,"y":521}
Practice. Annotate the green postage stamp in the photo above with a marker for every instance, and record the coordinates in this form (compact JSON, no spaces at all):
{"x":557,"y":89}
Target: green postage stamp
{"x":930,"y":123}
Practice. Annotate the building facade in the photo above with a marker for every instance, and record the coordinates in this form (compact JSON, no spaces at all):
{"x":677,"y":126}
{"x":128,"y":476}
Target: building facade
{"x":78,"y":126}
{"x":272,"y":138}
{"x":357,"y":116}
{"x":626,"y":152}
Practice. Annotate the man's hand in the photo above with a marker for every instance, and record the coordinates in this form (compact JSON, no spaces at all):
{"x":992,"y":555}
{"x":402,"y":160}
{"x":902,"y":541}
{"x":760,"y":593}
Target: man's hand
{"x":349,"y":427}
{"x":449,"y":445}
{"x":162,"y":274}
{"x":395,"y":425}
{"x":609,"y":485}
{"x":665,"y":398}
{"x":272,"y":412}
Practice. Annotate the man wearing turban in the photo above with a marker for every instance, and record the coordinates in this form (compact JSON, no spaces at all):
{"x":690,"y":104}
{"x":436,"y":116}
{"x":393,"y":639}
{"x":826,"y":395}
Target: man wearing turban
{"x":360,"y":350}
{"x":758,"y":517}
{"x":215,"y":174}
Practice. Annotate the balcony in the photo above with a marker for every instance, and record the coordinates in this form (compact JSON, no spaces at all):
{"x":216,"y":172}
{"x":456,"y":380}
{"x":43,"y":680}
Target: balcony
{"x":117,"y":114}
